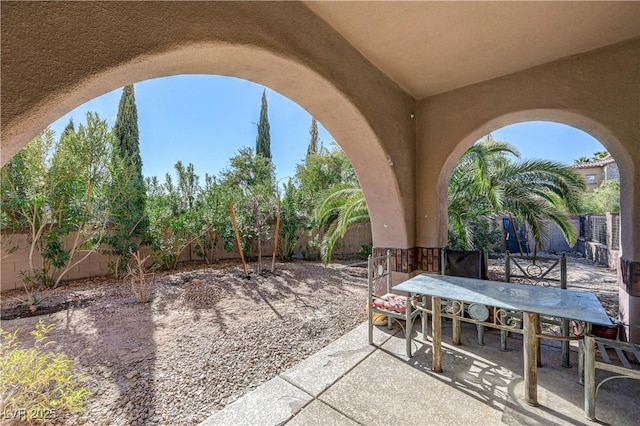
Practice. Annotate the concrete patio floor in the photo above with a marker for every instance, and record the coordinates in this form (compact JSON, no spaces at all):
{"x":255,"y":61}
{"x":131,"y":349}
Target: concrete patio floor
{"x":349,"y":382}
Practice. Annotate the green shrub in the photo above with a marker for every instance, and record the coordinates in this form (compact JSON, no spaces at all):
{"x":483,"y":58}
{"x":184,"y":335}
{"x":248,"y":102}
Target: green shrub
{"x":35,"y":384}
{"x":366,"y":250}
{"x":603,"y":199}
{"x":484,"y":234}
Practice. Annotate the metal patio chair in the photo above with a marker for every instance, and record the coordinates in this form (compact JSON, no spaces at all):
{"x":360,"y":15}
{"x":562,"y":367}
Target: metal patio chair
{"x":619,"y":364}
{"x":381,"y":300}
{"x":467,"y":264}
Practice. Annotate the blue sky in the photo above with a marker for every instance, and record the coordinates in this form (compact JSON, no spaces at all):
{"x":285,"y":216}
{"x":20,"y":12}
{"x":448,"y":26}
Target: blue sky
{"x":546,"y":140}
{"x":204,"y":120}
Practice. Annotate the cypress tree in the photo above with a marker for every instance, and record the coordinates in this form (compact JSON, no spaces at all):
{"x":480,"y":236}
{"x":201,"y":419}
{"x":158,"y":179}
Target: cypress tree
{"x":263,"y":140}
{"x":313,"y":143}
{"x":128,"y":200}
{"x":126,"y":128}
{"x":69,"y":129}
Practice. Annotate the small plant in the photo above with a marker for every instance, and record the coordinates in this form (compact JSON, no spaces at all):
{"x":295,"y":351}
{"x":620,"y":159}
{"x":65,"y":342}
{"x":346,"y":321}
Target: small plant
{"x":32,"y":282}
{"x":366,"y":250}
{"x":34,"y":301}
{"x":313,"y":247}
{"x":138,"y":275}
{"x":36,"y":278}
{"x":37,"y":385}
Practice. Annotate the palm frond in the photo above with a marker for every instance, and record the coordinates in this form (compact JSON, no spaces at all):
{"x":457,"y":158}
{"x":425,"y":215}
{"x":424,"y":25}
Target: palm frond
{"x":341,"y":209}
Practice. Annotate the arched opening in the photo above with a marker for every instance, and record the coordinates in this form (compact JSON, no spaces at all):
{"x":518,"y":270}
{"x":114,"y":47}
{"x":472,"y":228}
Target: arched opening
{"x":196,"y":127}
{"x":325,"y":101}
{"x":152,"y":346}
{"x":598,"y":132}
{"x":550,"y":150}
{"x":594,"y":129}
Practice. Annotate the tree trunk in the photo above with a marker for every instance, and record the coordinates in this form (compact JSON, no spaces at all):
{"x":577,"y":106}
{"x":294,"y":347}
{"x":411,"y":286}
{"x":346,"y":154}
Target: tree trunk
{"x":275,"y":242}
{"x":235,"y":227}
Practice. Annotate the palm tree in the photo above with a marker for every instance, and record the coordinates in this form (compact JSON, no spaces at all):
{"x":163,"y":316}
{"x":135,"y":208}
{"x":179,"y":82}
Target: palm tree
{"x":470,"y":196}
{"x":486,"y":182}
{"x":343,"y":208}
{"x":581,"y":160}
{"x":599,"y":155}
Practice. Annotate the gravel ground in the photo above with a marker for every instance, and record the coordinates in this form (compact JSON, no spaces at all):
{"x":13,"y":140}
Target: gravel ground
{"x":208,"y":336}
{"x":582,"y":275}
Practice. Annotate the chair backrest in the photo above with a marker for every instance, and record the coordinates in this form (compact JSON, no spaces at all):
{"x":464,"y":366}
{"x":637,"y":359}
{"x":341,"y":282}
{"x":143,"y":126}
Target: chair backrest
{"x":379,"y":274}
{"x":537,"y":269}
{"x":469,"y":264}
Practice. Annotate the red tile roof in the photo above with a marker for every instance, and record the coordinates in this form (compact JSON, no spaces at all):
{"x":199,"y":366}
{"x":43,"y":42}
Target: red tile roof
{"x":598,"y":163}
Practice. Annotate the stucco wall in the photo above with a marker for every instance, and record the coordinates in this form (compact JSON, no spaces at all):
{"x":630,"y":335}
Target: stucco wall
{"x":596,"y":92}
{"x":598,"y":173}
{"x":73,"y":54}
{"x":556,"y":241}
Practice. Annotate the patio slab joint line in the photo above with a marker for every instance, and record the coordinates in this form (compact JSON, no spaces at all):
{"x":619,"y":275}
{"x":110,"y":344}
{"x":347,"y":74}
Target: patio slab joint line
{"x":316,"y":398}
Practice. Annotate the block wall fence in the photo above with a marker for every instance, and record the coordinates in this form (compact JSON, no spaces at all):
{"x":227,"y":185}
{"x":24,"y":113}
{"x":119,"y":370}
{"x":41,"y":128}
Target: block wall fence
{"x":97,"y":264}
{"x":404,"y":260}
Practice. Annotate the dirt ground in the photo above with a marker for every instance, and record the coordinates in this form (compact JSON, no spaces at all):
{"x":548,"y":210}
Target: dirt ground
{"x":208,"y":336}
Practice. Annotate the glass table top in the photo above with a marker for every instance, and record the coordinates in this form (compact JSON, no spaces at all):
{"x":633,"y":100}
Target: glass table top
{"x":576,"y":305}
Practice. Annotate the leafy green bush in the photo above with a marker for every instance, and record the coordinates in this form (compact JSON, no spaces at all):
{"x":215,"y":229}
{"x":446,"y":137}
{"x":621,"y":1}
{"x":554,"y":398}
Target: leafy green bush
{"x":604,"y":199}
{"x":54,"y":190}
{"x":484,"y":234}
{"x":366,"y":250}
{"x":290,"y":231}
{"x":35,"y":384}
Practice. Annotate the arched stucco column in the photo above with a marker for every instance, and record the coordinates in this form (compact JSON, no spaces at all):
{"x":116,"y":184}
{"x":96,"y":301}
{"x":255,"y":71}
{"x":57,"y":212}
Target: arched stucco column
{"x":55,"y":56}
{"x":597,"y":92}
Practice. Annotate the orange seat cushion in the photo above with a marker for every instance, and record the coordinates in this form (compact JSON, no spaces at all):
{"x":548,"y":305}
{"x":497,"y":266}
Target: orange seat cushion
{"x":392,"y":302}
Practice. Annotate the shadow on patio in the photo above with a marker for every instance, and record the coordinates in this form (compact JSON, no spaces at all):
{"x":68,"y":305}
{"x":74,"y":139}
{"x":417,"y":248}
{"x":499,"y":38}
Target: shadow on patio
{"x":350,"y":382}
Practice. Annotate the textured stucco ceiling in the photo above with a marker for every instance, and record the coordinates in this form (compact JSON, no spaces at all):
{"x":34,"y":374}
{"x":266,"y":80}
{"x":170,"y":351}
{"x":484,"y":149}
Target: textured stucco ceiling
{"x":433,"y":47}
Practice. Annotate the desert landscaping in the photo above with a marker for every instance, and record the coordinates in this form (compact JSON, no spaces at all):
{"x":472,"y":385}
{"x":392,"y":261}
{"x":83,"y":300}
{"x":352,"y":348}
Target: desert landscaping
{"x":207,"y":336}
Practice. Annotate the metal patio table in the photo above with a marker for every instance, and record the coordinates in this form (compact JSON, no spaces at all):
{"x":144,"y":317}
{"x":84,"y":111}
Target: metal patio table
{"x":478,"y":295}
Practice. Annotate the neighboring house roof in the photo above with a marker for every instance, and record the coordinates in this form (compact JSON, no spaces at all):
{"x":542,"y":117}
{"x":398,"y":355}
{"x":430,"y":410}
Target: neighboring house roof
{"x":599,"y":163}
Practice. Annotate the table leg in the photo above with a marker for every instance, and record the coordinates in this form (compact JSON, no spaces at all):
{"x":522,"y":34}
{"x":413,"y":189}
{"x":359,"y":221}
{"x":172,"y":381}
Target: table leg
{"x":586,"y":328}
{"x":425,"y":320}
{"x":566,"y":351}
{"x":538,"y":343}
{"x":457,"y":326}
{"x":409,"y":324}
{"x":457,"y":331}
{"x":589,"y":345}
{"x":480,"y":329}
{"x":530,"y":350}
{"x":436,"y":334}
